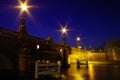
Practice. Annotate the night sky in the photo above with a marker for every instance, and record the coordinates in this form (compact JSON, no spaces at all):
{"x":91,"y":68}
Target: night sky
{"x":95,"y":21}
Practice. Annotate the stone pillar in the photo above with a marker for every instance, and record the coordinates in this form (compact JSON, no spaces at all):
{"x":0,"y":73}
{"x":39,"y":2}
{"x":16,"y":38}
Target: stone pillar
{"x":64,"y":40}
{"x":24,"y":57}
{"x":65,"y":58}
{"x":22,"y":33}
{"x":24,"y":62}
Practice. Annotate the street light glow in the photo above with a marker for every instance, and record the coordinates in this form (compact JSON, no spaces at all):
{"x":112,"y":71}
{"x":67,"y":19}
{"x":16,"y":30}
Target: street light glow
{"x":78,"y":38}
{"x":24,"y":7}
{"x":64,"y":33}
{"x":64,"y":30}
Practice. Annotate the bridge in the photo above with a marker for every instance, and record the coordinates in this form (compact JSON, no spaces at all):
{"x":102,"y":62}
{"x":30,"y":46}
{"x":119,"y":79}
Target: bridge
{"x":19,"y":51}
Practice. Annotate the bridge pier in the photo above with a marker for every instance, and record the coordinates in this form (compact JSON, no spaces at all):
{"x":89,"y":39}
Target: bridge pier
{"x":24,"y":62}
{"x":65,"y":59}
{"x":24,"y":56}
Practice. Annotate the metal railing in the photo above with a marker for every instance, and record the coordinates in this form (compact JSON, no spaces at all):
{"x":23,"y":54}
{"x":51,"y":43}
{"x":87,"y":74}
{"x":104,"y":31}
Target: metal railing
{"x":47,"y":68}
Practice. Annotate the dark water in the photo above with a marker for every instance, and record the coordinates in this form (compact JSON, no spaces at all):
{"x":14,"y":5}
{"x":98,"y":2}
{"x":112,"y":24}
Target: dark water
{"x":94,"y":72}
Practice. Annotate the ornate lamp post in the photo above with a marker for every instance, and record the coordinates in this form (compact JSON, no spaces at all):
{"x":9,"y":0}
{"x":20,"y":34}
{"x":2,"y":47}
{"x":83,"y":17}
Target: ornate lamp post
{"x":22,"y":28}
{"x":24,"y":57}
{"x":24,"y":9}
{"x":65,"y":49}
{"x":64,"y":32}
{"x":78,"y":40}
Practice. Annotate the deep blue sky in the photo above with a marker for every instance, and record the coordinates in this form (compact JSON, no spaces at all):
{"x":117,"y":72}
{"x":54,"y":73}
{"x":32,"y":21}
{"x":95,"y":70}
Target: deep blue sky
{"x":95,"y":21}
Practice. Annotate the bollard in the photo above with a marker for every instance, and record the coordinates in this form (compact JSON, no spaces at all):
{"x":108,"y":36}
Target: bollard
{"x":78,"y":64}
{"x":86,"y":64}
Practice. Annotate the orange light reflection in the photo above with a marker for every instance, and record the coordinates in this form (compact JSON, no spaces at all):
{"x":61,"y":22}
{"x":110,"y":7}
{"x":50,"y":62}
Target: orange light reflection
{"x":91,"y":72}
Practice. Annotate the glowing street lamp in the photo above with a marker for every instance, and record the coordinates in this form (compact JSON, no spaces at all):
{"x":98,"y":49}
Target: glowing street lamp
{"x":22,"y":28}
{"x":64,"y":33}
{"x":64,"y":30}
{"x":78,"y":40}
{"x":24,"y":7}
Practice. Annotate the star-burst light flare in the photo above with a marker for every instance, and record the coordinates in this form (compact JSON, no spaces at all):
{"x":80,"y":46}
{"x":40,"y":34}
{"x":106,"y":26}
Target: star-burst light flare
{"x":64,"y":30}
{"x":24,"y":7}
{"x":78,"y":38}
